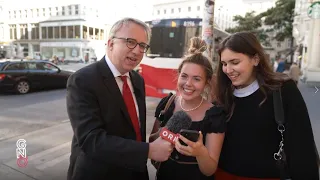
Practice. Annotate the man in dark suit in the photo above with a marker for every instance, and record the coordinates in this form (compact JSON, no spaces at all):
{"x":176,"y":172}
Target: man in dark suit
{"x":107,"y":110}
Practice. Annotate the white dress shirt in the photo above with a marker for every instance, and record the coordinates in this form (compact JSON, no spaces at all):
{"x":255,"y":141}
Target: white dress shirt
{"x":117,"y":75}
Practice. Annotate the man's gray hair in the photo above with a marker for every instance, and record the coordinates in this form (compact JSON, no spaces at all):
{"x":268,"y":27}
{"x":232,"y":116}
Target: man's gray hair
{"x":125,"y":21}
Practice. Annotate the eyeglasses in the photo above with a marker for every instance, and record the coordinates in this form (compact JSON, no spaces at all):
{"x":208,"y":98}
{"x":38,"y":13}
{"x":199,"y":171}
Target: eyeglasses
{"x":132,"y":43}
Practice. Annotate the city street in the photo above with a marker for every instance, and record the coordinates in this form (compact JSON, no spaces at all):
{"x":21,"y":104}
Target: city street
{"x":41,"y":119}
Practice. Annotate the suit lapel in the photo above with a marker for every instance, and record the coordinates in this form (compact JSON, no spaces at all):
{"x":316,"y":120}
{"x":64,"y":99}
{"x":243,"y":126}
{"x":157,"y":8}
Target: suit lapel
{"x":113,"y":88}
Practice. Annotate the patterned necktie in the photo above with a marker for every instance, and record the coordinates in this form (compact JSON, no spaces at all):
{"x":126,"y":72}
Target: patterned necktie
{"x":128,"y":99}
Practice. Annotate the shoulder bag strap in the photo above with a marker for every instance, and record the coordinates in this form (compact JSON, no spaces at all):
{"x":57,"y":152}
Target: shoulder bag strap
{"x":278,"y":108}
{"x":158,"y":124}
{"x":280,"y":156}
{"x":169,"y":102}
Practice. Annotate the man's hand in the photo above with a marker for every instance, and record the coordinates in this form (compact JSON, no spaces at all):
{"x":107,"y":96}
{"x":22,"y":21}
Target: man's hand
{"x":160,"y":150}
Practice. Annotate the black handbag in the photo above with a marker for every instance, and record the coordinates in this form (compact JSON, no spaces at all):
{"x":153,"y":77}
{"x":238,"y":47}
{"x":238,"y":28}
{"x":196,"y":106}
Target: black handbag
{"x":280,"y":156}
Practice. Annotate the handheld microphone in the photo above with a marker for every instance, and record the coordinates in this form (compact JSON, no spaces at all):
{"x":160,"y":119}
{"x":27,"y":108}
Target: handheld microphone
{"x":179,"y":120}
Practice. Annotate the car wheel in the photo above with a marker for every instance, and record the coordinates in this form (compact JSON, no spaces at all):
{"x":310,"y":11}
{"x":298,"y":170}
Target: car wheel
{"x":23,"y":87}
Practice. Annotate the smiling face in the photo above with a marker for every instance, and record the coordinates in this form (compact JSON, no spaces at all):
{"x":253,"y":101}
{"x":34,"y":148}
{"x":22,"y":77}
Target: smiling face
{"x":238,"y":67}
{"x":124,"y":58}
{"x":192,"y":81}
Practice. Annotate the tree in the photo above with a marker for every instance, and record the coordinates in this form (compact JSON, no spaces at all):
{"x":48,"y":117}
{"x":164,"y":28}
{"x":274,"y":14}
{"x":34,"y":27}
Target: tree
{"x":252,"y":23}
{"x":247,"y":23}
{"x":280,"y":18}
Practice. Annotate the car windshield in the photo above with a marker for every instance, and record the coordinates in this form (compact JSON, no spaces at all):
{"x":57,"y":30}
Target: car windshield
{"x":1,"y":64}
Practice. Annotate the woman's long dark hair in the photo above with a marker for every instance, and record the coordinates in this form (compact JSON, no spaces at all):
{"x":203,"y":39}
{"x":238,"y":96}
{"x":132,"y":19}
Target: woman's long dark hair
{"x":248,"y":44}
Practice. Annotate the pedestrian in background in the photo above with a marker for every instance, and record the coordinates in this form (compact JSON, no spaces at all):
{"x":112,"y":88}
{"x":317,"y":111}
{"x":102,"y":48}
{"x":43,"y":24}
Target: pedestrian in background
{"x":295,"y":72}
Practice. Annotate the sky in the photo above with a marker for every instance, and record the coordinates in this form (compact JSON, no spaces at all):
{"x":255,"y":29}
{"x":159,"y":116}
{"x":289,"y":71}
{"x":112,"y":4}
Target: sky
{"x":115,"y":9}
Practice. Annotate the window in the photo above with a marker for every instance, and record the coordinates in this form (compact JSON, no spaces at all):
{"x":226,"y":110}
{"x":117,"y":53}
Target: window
{"x":63,"y":32}
{"x":158,"y":12}
{"x":69,"y":10}
{"x":102,"y":34}
{"x":13,"y":32}
{"x":90,"y":33}
{"x":16,"y":66}
{"x":43,"y":11}
{"x":85,"y":32}
{"x":23,"y":31}
{"x":179,"y":9}
{"x":172,"y":11}
{"x":41,"y":66}
{"x":198,"y":8}
{"x":44,"y":32}
{"x":164,"y":11}
{"x":36,"y":47}
{"x":70,"y":32}
{"x":12,"y":67}
{"x":77,"y":9}
{"x":189,"y":9}
{"x":77,"y":31}
{"x":63,"y":11}
{"x":50,"y":32}
{"x":56,"y":32}
{"x":49,"y":67}
{"x":1,"y":64}
{"x":35,"y":31}
{"x":32,"y":66}
{"x":96,"y":33}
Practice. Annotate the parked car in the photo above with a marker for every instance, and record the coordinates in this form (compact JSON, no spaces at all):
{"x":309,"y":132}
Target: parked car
{"x":22,"y":76}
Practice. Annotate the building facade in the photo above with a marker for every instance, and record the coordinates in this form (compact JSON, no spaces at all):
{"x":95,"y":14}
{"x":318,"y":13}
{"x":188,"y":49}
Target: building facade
{"x":69,"y":31}
{"x":306,"y":30}
{"x":165,"y":9}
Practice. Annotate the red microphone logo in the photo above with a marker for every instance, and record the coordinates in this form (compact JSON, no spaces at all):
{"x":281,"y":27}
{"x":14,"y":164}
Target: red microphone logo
{"x":168,"y":135}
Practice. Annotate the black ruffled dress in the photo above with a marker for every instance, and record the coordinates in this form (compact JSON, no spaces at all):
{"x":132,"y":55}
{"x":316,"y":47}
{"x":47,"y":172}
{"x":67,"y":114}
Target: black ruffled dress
{"x":213,"y":122}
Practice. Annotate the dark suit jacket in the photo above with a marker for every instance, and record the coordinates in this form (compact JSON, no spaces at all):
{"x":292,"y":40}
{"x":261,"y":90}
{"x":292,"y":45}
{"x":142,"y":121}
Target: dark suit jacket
{"x":104,"y":145}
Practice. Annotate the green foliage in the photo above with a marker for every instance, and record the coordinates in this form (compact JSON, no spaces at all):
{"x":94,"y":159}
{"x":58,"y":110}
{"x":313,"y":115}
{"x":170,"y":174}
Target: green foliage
{"x":252,"y":23}
{"x":280,"y":18}
{"x":249,"y":22}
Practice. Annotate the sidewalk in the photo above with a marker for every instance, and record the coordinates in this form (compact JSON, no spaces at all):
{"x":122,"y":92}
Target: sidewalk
{"x":48,"y":151}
